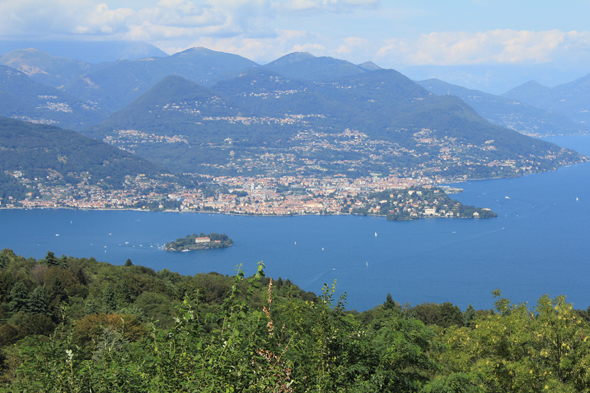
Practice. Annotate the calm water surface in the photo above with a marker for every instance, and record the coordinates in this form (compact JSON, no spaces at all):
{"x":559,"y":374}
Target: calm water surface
{"x":538,"y":244}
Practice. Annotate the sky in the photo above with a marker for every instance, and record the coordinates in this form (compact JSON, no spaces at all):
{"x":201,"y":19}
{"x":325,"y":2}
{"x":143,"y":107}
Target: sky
{"x":391,"y":33}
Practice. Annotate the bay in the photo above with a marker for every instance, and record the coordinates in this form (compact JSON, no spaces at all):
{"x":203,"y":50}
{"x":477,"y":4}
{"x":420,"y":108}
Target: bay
{"x":538,"y":244}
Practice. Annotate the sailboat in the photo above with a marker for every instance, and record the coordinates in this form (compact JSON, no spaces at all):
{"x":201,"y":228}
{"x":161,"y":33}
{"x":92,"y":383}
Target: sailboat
{"x":375,"y":234}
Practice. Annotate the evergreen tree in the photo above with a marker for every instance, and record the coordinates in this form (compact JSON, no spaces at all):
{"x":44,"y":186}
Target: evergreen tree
{"x":37,"y":303}
{"x":56,"y":292}
{"x":19,"y":298}
{"x":128,"y":262}
{"x":3,"y":261}
{"x":91,"y":308}
{"x":389,"y":303}
{"x":51,"y":260}
{"x":109,"y":302}
{"x":81,"y":276}
{"x":468,"y":316}
{"x":122,"y":294}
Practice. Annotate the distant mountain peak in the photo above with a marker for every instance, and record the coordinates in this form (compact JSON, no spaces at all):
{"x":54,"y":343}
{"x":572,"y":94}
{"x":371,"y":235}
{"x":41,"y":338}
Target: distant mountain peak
{"x":291,"y":58}
{"x":369,"y":66}
{"x":194,"y":49}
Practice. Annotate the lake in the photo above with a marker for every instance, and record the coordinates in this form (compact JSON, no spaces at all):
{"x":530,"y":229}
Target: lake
{"x":538,"y":244}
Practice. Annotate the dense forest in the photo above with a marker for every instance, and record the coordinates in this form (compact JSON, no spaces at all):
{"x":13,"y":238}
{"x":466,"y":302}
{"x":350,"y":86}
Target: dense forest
{"x":76,"y":324}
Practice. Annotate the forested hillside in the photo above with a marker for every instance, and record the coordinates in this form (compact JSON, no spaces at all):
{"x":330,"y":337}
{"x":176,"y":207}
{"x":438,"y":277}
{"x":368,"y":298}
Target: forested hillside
{"x":75,"y":324}
{"x":371,"y":122}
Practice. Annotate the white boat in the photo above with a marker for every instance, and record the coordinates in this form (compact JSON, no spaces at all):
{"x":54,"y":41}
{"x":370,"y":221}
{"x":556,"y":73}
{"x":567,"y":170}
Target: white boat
{"x":375,"y":234}
{"x":185,"y":250}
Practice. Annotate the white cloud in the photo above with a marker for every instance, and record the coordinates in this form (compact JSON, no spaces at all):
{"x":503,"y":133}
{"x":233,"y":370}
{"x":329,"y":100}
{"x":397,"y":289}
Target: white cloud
{"x":491,"y":47}
{"x":351,"y":44}
{"x":166,"y":20}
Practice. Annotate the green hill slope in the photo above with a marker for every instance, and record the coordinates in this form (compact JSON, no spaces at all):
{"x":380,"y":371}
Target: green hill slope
{"x":41,"y":152}
{"x":374,"y":122}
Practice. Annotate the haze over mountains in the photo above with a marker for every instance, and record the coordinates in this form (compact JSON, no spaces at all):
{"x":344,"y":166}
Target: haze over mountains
{"x":211,"y":112}
{"x":509,"y":112}
{"x":24,"y":99}
{"x":572,"y":99}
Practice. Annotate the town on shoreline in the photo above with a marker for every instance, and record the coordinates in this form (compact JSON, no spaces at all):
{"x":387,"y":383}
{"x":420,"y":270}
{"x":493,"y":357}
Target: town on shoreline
{"x":262,"y":196}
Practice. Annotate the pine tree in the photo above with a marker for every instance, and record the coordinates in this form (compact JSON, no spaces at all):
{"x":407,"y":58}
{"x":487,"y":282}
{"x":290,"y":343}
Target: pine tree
{"x":122,"y":294}
{"x":81,"y":276}
{"x":91,"y":308}
{"x":56,"y":292}
{"x":128,"y":262}
{"x":37,"y":303}
{"x":109,"y":302}
{"x":51,"y":260}
{"x":3,"y":261}
{"x":389,"y":303}
{"x":19,"y":297}
{"x":468,"y":316}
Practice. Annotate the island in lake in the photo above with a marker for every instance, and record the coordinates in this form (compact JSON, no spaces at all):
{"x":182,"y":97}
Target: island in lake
{"x":199,"y":242}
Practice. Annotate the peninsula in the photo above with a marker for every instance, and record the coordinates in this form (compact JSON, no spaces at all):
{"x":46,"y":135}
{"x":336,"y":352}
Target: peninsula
{"x":199,"y":242}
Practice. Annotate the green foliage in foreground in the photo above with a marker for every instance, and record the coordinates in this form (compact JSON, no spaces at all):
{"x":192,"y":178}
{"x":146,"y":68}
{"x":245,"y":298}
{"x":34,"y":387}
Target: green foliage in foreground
{"x":269,"y":336}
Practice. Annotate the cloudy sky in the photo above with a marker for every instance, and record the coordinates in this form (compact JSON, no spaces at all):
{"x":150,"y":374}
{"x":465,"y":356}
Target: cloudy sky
{"x":392,"y":33}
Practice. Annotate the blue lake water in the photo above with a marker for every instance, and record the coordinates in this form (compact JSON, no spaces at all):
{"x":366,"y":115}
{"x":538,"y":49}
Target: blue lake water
{"x":539,"y":243}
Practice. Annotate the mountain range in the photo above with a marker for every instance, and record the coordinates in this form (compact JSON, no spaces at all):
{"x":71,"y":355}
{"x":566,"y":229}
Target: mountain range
{"x":211,"y":112}
{"x":509,"y":112}
{"x":25,"y":99}
{"x":396,"y":125}
{"x":572,"y":99}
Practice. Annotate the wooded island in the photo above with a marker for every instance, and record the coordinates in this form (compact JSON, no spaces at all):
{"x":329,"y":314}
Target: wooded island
{"x":199,"y":242}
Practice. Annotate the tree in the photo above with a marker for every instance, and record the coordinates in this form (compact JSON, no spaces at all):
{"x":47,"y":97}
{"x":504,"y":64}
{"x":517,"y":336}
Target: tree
{"x":122,"y":294}
{"x":19,"y":297}
{"x":37,"y":303}
{"x":128,"y":262}
{"x":51,"y":260}
{"x":450,"y":315}
{"x":4,"y":260}
{"x":389,"y":303}
{"x":109,"y":302}
{"x":56,"y":292}
{"x":468,"y":316}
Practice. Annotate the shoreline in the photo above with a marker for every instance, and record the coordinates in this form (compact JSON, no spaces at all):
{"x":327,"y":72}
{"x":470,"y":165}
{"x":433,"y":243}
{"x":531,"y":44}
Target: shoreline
{"x":241,"y":215}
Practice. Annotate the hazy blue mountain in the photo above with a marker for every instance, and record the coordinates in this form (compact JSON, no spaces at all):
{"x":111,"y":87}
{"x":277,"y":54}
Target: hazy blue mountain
{"x":530,"y":92}
{"x":174,"y":105}
{"x":369,"y":66}
{"x":25,"y":99}
{"x":495,"y":79}
{"x":304,"y":66}
{"x":387,"y":104}
{"x":88,"y":51}
{"x":44,"y":68}
{"x":268,"y":93}
{"x":290,"y":59}
{"x":572,"y":99}
{"x":116,"y":86}
{"x":40,"y":150}
{"x":260,"y":116}
{"x":508,"y":112}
